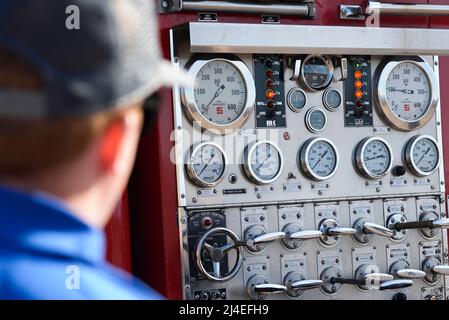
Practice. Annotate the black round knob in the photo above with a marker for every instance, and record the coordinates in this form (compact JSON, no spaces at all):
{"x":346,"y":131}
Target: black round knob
{"x":400,"y":296}
{"x":399,"y":171}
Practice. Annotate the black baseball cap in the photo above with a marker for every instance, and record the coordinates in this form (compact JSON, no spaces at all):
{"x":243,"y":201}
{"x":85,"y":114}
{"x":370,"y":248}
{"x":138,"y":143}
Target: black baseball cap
{"x":92,"y":55}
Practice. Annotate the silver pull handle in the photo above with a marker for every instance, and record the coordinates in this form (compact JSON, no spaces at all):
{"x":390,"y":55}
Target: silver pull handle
{"x":337,"y":231}
{"x":378,"y":277}
{"x":370,"y":227}
{"x":375,"y":7}
{"x":306,"y":235}
{"x":297,"y":69}
{"x":441,"y":223}
{"x":395,"y":284}
{"x":266,"y":238}
{"x":411,"y":274}
{"x":444,"y":270}
{"x":306,"y":284}
{"x":270,"y":288}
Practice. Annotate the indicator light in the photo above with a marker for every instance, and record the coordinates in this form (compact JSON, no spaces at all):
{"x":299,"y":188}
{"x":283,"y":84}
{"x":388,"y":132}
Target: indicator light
{"x":270,"y":94}
{"x":206,"y":222}
{"x":269,"y":74}
{"x":358,"y":74}
{"x":358,"y":84}
{"x":359,"y":104}
{"x":270,"y":104}
{"x":358,"y":94}
{"x":269,"y":84}
{"x":268,"y":63}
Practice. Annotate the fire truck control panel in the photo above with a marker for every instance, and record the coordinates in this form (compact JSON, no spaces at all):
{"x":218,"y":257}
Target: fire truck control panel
{"x":307,"y":172}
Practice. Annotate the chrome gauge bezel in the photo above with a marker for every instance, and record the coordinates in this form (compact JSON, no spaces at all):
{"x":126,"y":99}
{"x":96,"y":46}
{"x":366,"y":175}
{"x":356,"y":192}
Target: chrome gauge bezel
{"x":190,"y":166}
{"x":326,"y":93}
{"x":328,"y":62}
{"x":360,"y":162}
{"x":289,"y":96}
{"x":247,"y":155}
{"x":188,"y":98}
{"x":304,"y":163}
{"x":381,"y":95}
{"x":408,"y":155}
{"x":308,"y":119}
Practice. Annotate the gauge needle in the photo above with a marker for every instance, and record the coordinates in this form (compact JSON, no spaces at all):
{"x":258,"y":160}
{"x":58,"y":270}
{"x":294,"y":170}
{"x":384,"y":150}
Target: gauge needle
{"x":263,"y":162}
{"x":216,"y":95}
{"x":319,"y":160}
{"x":207,"y":164}
{"x":425,"y":153}
{"x":406,"y":91}
{"x":377,"y":157}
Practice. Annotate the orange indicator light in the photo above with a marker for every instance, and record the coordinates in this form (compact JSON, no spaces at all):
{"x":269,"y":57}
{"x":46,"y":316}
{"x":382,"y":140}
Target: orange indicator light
{"x":358,"y":94}
{"x":358,"y":74}
{"x":270,"y":94}
{"x":358,"y":84}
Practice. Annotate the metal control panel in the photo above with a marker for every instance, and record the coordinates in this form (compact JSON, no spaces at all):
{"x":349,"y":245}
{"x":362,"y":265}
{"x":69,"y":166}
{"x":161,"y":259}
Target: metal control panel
{"x":310,"y":176}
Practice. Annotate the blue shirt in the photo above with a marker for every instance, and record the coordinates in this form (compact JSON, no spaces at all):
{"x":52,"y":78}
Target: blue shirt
{"x":48,"y":253}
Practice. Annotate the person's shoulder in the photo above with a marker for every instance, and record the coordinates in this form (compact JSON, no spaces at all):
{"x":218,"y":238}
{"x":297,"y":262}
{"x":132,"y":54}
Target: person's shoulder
{"x":28,"y":276}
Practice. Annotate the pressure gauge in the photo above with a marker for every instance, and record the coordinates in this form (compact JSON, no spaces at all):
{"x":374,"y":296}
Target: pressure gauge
{"x":317,"y":72}
{"x":263,"y":162}
{"x":223,"y":96}
{"x":296,"y":99}
{"x":407,"y":94}
{"x":206,"y":164}
{"x":422,"y":155}
{"x":332,"y":99}
{"x":374,"y":157}
{"x":316,"y":120}
{"x":319,"y":159}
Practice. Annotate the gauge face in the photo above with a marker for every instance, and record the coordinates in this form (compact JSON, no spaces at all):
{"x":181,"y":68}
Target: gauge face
{"x":296,"y":99}
{"x":374,"y":157}
{"x":317,"y":72}
{"x":407,"y":95}
{"x":263,"y":162}
{"x":223,"y":95}
{"x":422,"y":155}
{"x":316,"y":120}
{"x":319,"y":159}
{"x":206,"y":165}
{"x":332,"y":99}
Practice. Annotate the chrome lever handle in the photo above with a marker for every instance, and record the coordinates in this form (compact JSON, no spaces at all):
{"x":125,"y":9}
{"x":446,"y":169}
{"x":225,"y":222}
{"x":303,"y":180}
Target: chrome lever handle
{"x":395,"y":284}
{"x":441,"y":223}
{"x":375,"y":7}
{"x":270,"y":288}
{"x":266,"y":238}
{"x":306,"y":235}
{"x":369,"y":227}
{"x":410,"y":274}
{"x":338,"y":231}
{"x":378,"y":277}
{"x":444,"y":270}
{"x":306,"y":284}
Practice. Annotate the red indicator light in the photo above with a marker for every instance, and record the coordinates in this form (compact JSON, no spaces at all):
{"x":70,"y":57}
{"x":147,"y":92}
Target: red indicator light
{"x":358,"y":74}
{"x":269,"y":74}
{"x":270,"y":94}
{"x":206,"y":222}
{"x":358,"y":84}
{"x":270,"y":104}
{"x":269,"y":84}
{"x":358,"y":94}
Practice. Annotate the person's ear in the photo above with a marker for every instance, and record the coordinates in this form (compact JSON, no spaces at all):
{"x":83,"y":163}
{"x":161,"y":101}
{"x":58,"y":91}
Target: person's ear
{"x":110,"y":144}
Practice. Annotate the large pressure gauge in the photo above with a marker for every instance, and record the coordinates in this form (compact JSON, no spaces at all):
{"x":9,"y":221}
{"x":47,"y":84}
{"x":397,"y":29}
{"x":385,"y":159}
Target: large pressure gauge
{"x":374,"y":157}
{"x":319,"y":159}
{"x":206,"y":164}
{"x":407,"y":93}
{"x":422,"y":155}
{"x":317,"y":72}
{"x":263,"y":162}
{"x":223,"y":96}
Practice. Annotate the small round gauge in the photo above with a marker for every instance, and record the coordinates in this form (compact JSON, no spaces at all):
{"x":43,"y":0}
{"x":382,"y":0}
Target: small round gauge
{"x":407,"y":94}
{"x":223,"y":95}
{"x":317,"y":72}
{"x":206,"y":164}
{"x":319,"y":159}
{"x":263,"y":162}
{"x":316,"y":119}
{"x":422,"y":155}
{"x":296,"y":99}
{"x":374,"y":157}
{"x":332,"y":99}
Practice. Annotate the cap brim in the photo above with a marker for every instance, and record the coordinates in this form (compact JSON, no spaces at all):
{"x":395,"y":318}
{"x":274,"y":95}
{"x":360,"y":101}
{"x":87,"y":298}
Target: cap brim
{"x":170,"y":74}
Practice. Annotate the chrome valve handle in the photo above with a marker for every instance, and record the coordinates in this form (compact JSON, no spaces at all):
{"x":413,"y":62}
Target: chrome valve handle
{"x":369,"y":227}
{"x":410,"y":274}
{"x":395,"y":284}
{"x":306,"y":284}
{"x":339,"y":231}
{"x":217,"y":254}
{"x":440,"y":269}
{"x":270,"y":288}
{"x":306,"y":235}
{"x":266,"y":238}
